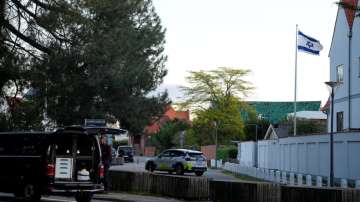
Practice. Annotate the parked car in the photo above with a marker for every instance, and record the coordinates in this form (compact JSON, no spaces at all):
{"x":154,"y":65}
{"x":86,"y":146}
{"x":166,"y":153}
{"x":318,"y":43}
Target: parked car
{"x":179,"y":161}
{"x":127,"y":152}
{"x":66,"y":162}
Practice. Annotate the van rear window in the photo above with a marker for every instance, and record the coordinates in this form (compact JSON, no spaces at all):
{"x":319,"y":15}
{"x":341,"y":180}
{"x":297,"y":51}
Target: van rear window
{"x":64,"y":146}
{"x":84,"y":146}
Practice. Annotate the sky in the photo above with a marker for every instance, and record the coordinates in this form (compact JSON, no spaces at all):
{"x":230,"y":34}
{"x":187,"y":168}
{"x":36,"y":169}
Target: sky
{"x":255,"y":35}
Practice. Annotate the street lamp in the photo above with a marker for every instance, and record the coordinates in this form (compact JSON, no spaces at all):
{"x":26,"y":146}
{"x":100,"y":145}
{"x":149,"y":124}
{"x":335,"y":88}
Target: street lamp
{"x":332,"y":85}
{"x":216,"y":142}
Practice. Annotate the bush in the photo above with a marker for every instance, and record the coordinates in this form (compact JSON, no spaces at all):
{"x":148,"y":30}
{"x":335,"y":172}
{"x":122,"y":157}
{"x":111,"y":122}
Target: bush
{"x":226,"y":152}
{"x":233,"y":152}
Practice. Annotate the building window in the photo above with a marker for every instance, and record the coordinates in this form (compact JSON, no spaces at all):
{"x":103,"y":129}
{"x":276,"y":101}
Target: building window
{"x":340,"y":121}
{"x":340,"y":73}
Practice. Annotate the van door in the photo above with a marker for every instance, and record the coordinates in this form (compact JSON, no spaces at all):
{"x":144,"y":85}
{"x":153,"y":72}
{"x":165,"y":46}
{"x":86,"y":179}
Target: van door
{"x":77,"y":158}
{"x":87,"y":158}
{"x":64,"y":157}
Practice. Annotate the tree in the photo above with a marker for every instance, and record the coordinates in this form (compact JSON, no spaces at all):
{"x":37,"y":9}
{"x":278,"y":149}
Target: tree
{"x":207,"y":88}
{"x":168,"y":135}
{"x":216,"y":96}
{"x":87,"y":58}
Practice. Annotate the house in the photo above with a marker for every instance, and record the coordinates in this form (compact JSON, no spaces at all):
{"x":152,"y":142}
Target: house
{"x":344,"y":57}
{"x":276,"y":131}
{"x":276,"y":112}
{"x":139,"y":142}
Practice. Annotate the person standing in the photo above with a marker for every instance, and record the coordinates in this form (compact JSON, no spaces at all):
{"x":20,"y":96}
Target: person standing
{"x":106,"y":160}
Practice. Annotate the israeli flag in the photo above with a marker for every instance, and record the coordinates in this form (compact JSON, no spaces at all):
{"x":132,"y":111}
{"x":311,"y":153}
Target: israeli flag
{"x":308,"y":44}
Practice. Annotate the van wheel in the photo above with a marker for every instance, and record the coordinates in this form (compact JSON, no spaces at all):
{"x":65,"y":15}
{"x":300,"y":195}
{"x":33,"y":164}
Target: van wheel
{"x":179,"y":170}
{"x":83,"y":197}
{"x":29,"y":192}
{"x":199,"y":173}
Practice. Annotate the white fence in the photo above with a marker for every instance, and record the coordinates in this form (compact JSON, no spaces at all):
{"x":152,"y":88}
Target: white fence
{"x":311,"y":155}
{"x":284,"y":177}
{"x":247,"y":153}
{"x":307,"y":155}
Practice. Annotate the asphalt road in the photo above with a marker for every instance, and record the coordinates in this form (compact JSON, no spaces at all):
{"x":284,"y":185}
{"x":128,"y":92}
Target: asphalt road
{"x":111,"y":197}
{"x":139,"y":166}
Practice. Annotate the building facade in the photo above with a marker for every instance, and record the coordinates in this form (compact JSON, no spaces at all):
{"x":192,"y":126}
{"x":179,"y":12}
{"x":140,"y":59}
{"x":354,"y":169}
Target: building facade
{"x":277,"y":112}
{"x":345,"y":68}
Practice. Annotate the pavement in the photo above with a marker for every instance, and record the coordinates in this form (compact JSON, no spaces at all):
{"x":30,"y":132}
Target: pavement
{"x":137,"y":166}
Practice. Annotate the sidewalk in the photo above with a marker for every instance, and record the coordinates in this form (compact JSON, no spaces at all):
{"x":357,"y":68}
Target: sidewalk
{"x":126,"y":197}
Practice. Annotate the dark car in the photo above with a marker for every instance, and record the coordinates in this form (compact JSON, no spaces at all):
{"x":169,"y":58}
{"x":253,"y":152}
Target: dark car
{"x":66,"y":162}
{"x":127,"y":152}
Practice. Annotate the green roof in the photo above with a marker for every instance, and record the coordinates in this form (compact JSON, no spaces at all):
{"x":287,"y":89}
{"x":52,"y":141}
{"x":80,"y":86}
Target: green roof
{"x":276,"y":112}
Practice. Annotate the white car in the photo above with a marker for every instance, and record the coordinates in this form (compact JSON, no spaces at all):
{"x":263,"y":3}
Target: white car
{"x":179,"y":161}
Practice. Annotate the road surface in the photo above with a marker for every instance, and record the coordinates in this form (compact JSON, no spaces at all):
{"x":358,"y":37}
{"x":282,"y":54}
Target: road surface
{"x":111,"y":197}
{"x":139,"y":166}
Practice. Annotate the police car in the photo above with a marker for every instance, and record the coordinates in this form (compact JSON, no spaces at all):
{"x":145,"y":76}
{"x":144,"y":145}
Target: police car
{"x":179,"y":161}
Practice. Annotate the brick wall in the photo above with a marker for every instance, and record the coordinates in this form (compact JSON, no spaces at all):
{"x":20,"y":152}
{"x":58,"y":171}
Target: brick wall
{"x":149,"y":151}
{"x":208,"y":151}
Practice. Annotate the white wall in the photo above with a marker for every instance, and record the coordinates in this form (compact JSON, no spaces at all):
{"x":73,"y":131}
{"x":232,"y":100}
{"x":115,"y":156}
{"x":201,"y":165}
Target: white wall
{"x":306,"y":154}
{"x":246,"y":153}
{"x":339,"y":55}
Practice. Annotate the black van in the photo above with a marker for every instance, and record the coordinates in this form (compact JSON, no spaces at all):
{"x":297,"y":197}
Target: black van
{"x":65,"y":162}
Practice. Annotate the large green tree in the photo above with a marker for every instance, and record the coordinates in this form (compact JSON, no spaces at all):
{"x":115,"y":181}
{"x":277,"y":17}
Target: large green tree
{"x":89,"y":58}
{"x":216,"y":99}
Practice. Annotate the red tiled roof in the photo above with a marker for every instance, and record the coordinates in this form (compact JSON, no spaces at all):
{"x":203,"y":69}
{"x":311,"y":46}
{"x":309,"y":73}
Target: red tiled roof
{"x":326,"y":106}
{"x":350,"y":13}
{"x":169,"y":115}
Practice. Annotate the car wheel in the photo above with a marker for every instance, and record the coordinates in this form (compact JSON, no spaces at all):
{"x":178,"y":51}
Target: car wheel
{"x":29,"y":192}
{"x":151,"y":167}
{"x":179,"y":170}
{"x":199,"y":173}
{"x":83,"y":197}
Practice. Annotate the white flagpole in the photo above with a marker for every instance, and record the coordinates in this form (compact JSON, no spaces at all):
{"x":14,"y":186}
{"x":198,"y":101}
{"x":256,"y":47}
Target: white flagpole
{"x":295,"y":90}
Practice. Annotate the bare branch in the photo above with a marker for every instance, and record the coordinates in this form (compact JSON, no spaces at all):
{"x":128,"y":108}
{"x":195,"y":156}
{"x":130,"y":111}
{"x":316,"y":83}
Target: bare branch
{"x":28,"y":40}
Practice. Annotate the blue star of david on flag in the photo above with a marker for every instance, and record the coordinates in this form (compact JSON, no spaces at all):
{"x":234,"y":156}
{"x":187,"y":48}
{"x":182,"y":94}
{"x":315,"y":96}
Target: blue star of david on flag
{"x":308,"y":44}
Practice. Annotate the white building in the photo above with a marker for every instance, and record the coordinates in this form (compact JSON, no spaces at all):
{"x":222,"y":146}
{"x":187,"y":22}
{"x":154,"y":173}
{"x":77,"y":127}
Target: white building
{"x":345,"y":67}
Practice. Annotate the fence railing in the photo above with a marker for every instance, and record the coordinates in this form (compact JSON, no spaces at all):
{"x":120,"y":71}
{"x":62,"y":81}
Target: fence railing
{"x":289,"y":178}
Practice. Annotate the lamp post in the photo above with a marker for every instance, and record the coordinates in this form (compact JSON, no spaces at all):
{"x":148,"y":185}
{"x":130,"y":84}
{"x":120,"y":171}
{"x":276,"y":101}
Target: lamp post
{"x":216,"y":142}
{"x":332,"y":85}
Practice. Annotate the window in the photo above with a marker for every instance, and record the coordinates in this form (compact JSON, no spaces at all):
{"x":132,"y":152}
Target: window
{"x":165,"y":154}
{"x":340,"y":73}
{"x":339,"y":121}
{"x":64,"y":146}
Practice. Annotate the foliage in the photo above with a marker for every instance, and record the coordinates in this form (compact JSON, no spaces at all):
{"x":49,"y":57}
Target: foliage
{"x":250,"y":129}
{"x":209,"y":88}
{"x":85,"y":59}
{"x":215,"y":96}
{"x":167,"y":137}
{"x":305,"y":126}
{"x":233,"y":152}
{"x":226,"y":152}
